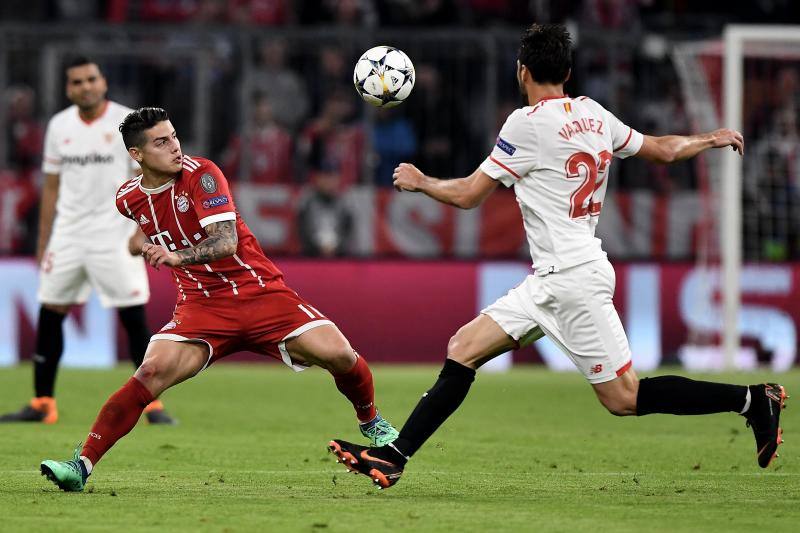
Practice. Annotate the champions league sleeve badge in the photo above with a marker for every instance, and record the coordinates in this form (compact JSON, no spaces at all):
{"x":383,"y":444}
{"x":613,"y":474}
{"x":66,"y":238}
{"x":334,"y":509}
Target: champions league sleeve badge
{"x":208,"y":183}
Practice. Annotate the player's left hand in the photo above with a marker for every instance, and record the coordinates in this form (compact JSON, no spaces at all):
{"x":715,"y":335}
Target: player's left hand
{"x":158,"y":255}
{"x":136,"y":242}
{"x":407,"y":177}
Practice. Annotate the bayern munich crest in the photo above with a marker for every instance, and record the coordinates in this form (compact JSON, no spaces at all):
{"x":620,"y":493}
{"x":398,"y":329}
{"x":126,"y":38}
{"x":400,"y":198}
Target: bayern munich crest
{"x":182,"y":203}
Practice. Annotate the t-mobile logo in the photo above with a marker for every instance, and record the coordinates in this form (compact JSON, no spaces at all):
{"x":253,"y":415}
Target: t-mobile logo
{"x":164,"y":239}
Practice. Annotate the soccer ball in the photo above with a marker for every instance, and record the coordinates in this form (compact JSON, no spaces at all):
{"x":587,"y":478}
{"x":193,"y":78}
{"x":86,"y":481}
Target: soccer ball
{"x":384,"y":76}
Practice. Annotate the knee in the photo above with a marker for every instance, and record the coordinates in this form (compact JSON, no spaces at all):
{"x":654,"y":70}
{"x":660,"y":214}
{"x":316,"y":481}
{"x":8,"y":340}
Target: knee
{"x":151,"y":370}
{"x":462,"y":349}
{"x":338,"y":357}
{"x":620,"y":405}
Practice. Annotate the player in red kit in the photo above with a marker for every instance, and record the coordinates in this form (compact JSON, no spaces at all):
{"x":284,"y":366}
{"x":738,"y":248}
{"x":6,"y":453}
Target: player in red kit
{"x":230,"y":296}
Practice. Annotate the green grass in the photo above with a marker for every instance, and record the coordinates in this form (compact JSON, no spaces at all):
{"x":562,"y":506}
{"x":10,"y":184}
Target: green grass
{"x":529,"y":450}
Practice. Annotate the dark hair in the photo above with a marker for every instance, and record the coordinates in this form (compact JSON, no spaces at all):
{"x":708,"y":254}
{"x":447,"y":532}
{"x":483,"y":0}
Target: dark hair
{"x":79,"y":61}
{"x":546,"y":50}
{"x":134,"y":125}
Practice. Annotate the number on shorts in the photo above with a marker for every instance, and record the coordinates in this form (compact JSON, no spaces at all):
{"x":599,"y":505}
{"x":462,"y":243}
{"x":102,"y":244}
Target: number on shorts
{"x":591,"y":172}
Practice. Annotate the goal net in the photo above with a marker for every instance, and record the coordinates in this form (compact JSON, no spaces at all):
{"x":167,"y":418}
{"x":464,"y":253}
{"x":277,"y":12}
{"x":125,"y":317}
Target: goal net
{"x":749,"y":81}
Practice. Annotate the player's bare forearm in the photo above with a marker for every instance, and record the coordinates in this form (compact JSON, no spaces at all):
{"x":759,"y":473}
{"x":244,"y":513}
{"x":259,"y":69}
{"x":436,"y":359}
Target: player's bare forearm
{"x":450,"y":192}
{"x":673,"y":148}
{"x":47,"y":213}
{"x":220,"y":243}
{"x":464,"y":193}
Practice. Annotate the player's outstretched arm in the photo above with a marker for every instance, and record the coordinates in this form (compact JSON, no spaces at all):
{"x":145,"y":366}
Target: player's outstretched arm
{"x":672,"y":148}
{"x":464,"y":193}
{"x":221,"y":242}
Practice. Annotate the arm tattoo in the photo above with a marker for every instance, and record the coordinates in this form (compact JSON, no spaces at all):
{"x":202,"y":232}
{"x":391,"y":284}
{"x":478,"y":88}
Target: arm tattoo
{"x":220,"y":243}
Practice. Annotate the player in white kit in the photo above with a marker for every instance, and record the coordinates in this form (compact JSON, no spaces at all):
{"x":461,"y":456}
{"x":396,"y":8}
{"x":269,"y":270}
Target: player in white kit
{"x":83,"y":242}
{"x":556,"y":152}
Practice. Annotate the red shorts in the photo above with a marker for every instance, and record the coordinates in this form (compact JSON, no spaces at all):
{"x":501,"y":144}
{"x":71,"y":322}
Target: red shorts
{"x":260,"y":324}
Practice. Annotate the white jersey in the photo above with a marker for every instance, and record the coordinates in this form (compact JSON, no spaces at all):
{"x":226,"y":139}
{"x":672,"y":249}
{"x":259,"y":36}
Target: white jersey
{"x":556,"y":154}
{"x":92,"y":162}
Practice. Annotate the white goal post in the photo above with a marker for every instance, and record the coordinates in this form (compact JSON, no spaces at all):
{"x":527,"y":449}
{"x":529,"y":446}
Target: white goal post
{"x":739,"y":41}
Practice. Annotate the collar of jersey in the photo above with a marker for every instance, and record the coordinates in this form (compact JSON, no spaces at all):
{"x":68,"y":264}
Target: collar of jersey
{"x":157,"y":190}
{"x":554,"y":97}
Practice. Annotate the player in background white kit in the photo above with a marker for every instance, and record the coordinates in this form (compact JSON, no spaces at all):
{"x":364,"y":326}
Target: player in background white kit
{"x":83,"y":242}
{"x":555,"y":152}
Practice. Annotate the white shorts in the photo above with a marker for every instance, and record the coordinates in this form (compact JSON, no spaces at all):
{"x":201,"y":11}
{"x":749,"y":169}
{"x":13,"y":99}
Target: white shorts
{"x":574,"y":308}
{"x":69,"y":270}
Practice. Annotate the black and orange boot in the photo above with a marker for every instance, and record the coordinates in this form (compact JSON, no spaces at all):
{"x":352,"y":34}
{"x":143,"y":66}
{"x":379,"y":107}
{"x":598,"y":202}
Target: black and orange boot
{"x":156,"y":414}
{"x":383,"y":465}
{"x":41,"y":409}
{"x":766,"y":402}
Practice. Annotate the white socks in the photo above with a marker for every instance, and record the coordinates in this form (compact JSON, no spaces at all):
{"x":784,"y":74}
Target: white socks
{"x":88,"y":464}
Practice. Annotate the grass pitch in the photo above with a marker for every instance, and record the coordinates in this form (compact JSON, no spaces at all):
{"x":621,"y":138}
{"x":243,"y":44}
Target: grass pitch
{"x":528,"y":451}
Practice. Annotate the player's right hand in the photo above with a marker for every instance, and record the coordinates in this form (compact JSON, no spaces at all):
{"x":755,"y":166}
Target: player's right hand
{"x":407,"y":177}
{"x":157,"y":255}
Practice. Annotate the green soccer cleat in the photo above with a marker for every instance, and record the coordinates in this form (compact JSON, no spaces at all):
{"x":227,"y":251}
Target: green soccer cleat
{"x":379,"y":431}
{"x":69,"y":476}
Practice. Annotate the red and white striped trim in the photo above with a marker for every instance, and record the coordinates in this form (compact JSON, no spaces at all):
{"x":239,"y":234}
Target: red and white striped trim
{"x":181,"y":338}
{"x":180,"y":287}
{"x":199,"y":285}
{"x":249,"y":269}
{"x":498,"y":163}
{"x":153,"y":213}
{"x":223,"y":278}
{"x":285,"y":356}
{"x":624,"y":368}
{"x":128,"y":188}
{"x":219,"y":217}
{"x":128,"y":209}
{"x":630,"y":134}
{"x":190,"y":163}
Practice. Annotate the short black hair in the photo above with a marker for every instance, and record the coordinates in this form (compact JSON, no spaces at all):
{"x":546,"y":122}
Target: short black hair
{"x":79,"y":61}
{"x":546,"y":50}
{"x":134,"y":125}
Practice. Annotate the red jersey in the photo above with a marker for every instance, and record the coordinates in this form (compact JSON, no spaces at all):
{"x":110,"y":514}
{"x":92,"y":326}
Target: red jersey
{"x":174,"y":215}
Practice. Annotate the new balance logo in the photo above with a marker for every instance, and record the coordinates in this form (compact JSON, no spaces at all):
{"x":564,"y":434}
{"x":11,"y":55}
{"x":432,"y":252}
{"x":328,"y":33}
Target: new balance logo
{"x":96,"y":436}
{"x":596,"y":369}
{"x":143,"y":220}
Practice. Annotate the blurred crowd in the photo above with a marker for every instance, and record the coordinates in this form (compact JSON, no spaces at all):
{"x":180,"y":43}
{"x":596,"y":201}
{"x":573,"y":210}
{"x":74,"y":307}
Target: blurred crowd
{"x":296,"y":121}
{"x":655,"y":14}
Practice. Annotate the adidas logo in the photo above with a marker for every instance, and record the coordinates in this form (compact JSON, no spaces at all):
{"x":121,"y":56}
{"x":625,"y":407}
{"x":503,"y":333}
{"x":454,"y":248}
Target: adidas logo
{"x":143,"y":220}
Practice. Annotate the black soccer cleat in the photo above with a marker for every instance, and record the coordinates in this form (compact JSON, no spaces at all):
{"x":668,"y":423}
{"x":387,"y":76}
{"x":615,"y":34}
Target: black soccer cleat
{"x":26,"y":414}
{"x":160,"y":417}
{"x":364,"y":460}
{"x":767,"y":401}
{"x":42,"y":409}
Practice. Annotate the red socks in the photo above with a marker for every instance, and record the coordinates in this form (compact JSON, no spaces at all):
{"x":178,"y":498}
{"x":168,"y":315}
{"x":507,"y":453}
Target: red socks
{"x":356,"y":385}
{"x":117,"y":417}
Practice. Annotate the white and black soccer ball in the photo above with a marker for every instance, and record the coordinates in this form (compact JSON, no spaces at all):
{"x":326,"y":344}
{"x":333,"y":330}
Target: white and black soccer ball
{"x":384,"y":76}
